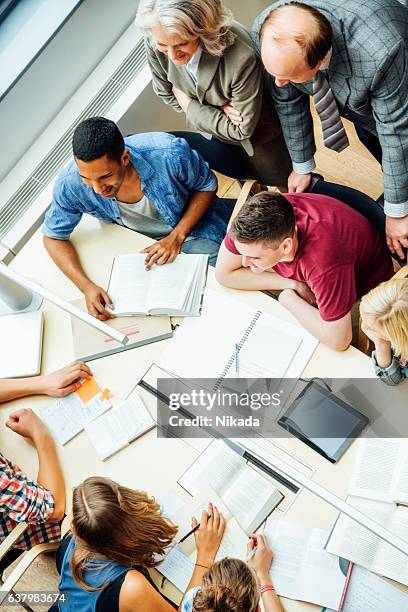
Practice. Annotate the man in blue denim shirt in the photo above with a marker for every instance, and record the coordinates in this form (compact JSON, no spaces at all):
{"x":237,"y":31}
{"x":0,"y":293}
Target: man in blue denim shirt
{"x":153,"y":183}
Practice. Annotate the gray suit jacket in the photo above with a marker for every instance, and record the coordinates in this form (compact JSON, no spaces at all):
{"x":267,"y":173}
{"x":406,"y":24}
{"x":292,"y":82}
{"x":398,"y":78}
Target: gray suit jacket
{"x":368,"y":74}
{"x":237,"y":75}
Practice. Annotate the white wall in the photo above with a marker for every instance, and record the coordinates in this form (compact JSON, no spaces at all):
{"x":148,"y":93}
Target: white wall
{"x":55,"y":75}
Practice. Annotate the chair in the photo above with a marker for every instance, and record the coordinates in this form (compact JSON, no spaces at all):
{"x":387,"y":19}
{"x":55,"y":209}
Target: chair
{"x":365,"y":345}
{"x":23,"y":563}
{"x":248,"y":189}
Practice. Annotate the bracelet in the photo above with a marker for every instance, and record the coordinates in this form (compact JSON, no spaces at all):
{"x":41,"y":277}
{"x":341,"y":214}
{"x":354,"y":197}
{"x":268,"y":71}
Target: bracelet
{"x":199,"y":565}
{"x":267,"y":587}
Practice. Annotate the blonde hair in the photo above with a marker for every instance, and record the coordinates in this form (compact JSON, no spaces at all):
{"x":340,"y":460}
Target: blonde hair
{"x":388,"y":305}
{"x":208,"y":20}
{"x":117,"y":523}
{"x":229,"y":585}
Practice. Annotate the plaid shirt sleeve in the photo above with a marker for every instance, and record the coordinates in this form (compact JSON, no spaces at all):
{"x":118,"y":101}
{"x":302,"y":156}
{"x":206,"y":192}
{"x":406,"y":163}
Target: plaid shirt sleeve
{"x":22,"y":500}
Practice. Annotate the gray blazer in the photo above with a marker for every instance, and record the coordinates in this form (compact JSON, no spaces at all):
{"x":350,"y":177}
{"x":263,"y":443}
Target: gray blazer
{"x":368,"y":74}
{"x":237,"y":75}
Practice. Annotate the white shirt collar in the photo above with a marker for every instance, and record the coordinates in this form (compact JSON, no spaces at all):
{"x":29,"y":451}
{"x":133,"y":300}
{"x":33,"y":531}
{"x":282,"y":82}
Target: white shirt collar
{"x":192,"y":64}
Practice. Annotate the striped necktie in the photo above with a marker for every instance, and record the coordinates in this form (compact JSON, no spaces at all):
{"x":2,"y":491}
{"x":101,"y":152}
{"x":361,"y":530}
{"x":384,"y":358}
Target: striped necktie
{"x":334,"y":134}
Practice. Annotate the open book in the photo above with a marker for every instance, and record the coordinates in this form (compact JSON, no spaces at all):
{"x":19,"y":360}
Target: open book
{"x":248,"y":495}
{"x":381,"y":470}
{"x":354,"y":542}
{"x":173,"y":289}
{"x":178,"y":565}
{"x":301,"y":568}
{"x":380,"y":478}
{"x":118,"y":427}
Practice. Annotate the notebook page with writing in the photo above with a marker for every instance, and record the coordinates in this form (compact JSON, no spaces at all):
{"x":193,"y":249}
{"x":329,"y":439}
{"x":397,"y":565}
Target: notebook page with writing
{"x":267,"y":350}
{"x":225,"y":322}
{"x":367,"y":592}
{"x":211,"y":336}
{"x":67,"y":416}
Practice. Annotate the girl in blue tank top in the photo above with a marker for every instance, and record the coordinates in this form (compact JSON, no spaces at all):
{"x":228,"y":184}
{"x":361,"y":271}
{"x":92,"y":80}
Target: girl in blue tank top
{"x":117,"y":534}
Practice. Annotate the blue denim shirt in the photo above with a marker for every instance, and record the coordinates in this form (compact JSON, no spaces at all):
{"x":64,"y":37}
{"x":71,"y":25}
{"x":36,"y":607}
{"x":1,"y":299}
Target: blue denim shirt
{"x":170,"y":172}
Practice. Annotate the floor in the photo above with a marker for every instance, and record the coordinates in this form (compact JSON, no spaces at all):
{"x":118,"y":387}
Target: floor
{"x":354,"y":167}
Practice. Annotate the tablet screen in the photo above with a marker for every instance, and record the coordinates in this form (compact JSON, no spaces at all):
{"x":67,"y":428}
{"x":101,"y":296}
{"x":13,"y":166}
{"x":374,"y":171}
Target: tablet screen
{"x":324,"y":421}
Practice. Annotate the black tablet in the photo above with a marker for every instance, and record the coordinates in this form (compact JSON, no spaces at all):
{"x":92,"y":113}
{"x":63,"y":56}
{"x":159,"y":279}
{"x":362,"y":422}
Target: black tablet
{"x":323,"y":421}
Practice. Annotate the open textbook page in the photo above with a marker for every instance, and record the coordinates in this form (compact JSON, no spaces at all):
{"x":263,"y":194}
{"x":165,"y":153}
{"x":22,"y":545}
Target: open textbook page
{"x":119,"y":427}
{"x":248,"y":495}
{"x":67,"y":416}
{"x":178,"y":564}
{"x":352,"y":541}
{"x":381,"y":470}
{"x":301,"y":568}
{"x":173,"y":289}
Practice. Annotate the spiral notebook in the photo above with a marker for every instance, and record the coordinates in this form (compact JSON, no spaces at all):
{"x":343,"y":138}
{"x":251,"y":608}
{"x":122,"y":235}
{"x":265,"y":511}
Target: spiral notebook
{"x":236,"y":340}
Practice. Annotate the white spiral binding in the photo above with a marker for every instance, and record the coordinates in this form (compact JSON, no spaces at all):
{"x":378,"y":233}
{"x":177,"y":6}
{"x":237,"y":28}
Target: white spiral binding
{"x":240,"y":345}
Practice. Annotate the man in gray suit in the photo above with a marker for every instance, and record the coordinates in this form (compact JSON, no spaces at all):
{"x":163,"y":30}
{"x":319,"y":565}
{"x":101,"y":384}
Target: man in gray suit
{"x":352,"y":57}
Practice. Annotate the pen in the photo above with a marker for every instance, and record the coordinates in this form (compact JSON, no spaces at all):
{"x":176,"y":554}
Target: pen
{"x":251,"y":554}
{"x":193,"y":530}
{"x":237,"y":359}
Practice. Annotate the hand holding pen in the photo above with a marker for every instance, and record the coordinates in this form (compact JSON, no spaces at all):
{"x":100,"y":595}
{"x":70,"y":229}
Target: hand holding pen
{"x":259,"y":556}
{"x":208,"y":535}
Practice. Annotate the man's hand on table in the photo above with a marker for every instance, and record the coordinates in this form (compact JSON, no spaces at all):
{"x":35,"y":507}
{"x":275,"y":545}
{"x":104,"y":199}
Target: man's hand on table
{"x":96,"y":299}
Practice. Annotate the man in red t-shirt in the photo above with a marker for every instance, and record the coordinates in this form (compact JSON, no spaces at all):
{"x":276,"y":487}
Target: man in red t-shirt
{"x":324,"y":255}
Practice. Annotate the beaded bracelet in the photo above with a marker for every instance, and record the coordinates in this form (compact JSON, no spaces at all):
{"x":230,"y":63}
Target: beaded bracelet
{"x":267,"y":587}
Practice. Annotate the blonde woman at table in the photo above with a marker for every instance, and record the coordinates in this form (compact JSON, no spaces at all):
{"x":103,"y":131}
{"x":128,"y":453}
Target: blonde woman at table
{"x":203,"y":64}
{"x":116,"y":535}
{"x":233,"y":585}
{"x":58,"y":384}
{"x":384,"y":314}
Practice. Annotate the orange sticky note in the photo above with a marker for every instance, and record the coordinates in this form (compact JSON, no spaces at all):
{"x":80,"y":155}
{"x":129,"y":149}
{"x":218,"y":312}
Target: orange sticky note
{"x":88,"y":390}
{"x":105,"y":394}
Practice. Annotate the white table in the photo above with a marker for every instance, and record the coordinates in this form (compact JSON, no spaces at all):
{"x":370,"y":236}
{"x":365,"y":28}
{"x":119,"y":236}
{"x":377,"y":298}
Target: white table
{"x":141,"y":465}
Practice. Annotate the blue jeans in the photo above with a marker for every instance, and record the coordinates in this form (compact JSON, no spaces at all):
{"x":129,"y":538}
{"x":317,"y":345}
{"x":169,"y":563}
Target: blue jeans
{"x":202,"y":245}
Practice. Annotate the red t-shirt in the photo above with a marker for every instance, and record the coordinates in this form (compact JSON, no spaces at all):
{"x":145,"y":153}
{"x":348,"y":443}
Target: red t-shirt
{"x":340,"y":256}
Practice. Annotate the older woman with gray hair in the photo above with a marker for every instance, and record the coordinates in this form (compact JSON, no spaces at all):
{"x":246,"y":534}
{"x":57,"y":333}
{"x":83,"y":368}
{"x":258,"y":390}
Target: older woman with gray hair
{"x":203,"y":64}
